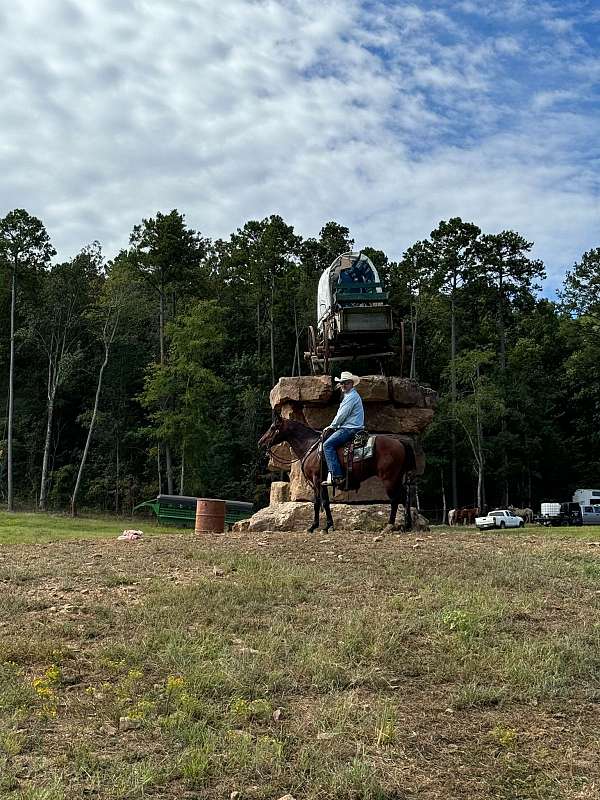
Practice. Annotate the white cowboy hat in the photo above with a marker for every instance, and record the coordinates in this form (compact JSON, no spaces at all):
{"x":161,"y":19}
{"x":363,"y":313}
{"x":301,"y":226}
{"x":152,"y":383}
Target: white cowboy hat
{"x":348,"y":376}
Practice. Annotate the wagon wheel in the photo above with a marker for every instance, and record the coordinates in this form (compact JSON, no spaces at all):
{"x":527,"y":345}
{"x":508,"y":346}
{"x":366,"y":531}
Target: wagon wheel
{"x":312,"y":349}
{"x":326,"y":353}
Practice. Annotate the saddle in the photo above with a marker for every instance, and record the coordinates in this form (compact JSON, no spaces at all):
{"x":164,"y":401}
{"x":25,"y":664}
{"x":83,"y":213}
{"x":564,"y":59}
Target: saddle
{"x":360,"y":448}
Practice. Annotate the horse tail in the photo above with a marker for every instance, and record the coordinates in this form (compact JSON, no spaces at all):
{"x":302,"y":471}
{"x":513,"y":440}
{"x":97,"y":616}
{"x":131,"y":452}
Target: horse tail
{"x":411,"y":458}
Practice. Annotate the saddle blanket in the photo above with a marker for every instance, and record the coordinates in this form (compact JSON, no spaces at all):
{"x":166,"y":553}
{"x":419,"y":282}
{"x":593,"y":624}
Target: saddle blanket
{"x":363,"y":447}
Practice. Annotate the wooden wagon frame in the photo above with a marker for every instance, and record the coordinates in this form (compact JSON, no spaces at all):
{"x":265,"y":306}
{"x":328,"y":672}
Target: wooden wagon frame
{"x":354,"y":317}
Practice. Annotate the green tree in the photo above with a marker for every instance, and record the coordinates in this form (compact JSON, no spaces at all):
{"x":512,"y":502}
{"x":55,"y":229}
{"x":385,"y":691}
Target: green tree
{"x":507,"y":274}
{"x":187,"y":378}
{"x":24,"y":247}
{"x":477,"y":407}
{"x":169,"y":256}
{"x":453,"y":253}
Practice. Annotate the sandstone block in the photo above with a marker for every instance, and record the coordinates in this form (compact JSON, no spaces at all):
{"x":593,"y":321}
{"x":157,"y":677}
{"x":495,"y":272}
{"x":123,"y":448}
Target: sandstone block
{"x":298,"y":516}
{"x":406,"y":392}
{"x":319,"y":417}
{"x":385,"y":418}
{"x":292,"y":411}
{"x":371,"y":491}
{"x":374,"y":388}
{"x":302,"y":389}
{"x":379,"y":418}
{"x":280,"y":493}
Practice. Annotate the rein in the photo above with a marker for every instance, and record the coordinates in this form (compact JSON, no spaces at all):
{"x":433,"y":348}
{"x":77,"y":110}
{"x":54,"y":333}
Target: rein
{"x":271,"y":453}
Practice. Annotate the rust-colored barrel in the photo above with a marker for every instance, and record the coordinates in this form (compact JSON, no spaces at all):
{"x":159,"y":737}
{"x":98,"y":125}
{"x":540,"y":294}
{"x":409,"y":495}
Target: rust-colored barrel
{"x":210,"y":515}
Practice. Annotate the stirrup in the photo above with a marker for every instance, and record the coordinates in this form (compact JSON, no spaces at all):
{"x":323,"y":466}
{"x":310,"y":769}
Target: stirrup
{"x":329,"y":480}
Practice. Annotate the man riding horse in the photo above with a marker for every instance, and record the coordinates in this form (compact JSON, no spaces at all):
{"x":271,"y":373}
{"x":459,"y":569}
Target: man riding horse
{"x":349,"y":419}
{"x":390,"y":459}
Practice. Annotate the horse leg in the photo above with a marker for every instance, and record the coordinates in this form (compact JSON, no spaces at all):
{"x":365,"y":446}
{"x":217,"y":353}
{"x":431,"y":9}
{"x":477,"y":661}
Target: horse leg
{"x":394,"y":493}
{"x":317,"y":508}
{"x":327,"y":507}
{"x":408,"y":513}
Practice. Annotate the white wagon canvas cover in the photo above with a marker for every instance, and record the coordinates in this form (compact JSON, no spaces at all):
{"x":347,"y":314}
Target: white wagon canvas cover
{"x":349,"y":269}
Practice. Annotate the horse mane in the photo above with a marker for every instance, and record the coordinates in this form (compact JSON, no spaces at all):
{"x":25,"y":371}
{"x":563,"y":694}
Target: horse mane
{"x":300,"y":427}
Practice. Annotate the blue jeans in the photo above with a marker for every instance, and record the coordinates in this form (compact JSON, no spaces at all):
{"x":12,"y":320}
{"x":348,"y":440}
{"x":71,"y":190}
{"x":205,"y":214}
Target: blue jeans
{"x":336,"y":439}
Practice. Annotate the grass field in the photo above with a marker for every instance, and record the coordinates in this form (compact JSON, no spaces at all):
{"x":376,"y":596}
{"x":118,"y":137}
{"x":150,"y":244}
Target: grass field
{"x":30,"y":528}
{"x":451,"y":664}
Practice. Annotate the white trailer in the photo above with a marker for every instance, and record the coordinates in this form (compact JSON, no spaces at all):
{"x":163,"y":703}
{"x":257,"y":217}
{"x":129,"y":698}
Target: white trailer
{"x":587,"y":497}
{"x":589,"y":502}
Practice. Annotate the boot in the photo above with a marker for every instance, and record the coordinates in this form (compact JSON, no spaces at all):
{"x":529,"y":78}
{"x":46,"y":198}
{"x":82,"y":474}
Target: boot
{"x":329,"y":481}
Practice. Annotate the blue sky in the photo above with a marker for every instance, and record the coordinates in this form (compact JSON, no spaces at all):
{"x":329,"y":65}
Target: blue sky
{"x":385,"y":116}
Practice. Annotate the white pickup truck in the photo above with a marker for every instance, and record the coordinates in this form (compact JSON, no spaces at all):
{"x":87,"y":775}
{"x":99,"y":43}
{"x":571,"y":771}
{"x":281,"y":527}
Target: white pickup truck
{"x":501,"y":518}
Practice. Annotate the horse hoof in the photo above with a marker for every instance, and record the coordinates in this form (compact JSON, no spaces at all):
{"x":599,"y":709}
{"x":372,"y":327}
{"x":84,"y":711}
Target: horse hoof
{"x":312,"y":529}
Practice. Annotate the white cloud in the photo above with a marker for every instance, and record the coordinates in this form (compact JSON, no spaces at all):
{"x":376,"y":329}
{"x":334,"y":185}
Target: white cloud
{"x":558,"y":25}
{"x":386,"y":118}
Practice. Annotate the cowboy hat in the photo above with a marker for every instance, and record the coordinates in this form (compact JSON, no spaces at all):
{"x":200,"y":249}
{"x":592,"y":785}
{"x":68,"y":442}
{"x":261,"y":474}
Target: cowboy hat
{"x":348,"y":376}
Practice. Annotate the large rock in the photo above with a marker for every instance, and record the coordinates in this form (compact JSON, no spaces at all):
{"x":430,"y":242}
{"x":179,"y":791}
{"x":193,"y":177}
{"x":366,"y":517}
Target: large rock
{"x":302,"y":389}
{"x":298,"y":517}
{"x":371,"y":490}
{"x":280,"y":493}
{"x":379,"y":418}
{"x":374,"y":388}
{"x":385,"y":418}
{"x":406,"y":392}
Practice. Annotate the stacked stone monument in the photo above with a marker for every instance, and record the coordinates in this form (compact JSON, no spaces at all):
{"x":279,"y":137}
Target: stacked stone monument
{"x":392,"y":405}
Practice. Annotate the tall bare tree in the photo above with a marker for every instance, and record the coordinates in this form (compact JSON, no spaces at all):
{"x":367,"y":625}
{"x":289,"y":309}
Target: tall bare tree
{"x":24,"y":247}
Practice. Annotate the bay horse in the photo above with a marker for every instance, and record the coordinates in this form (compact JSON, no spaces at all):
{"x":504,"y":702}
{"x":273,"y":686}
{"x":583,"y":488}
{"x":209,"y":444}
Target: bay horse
{"x":392,"y":462}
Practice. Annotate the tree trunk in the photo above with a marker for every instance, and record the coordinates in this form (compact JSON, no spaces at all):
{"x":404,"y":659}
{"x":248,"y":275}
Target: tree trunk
{"x":117,"y":476}
{"x":169,"y":468}
{"x":258,"y":331}
{"x":44,"y":480}
{"x":108,"y":336}
{"x":502,"y":364}
{"x":453,"y":394}
{"x":11,"y":399}
{"x":413,"y":355}
{"x":182,"y":473}
{"x":161,"y":325}
{"x":272,"y":330}
{"x":480,"y":461}
{"x":161,"y":333}
{"x":158,"y":468}
{"x":444,"y":510}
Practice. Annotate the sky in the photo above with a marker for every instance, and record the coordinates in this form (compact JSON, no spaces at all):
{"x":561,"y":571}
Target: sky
{"x":384,"y":116}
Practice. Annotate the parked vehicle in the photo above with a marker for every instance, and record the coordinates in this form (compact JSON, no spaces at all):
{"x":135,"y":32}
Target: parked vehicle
{"x":501,"y":518}
{"x":587,"y":497}
{"x":583,"y":510}
{"x":556,"y":514}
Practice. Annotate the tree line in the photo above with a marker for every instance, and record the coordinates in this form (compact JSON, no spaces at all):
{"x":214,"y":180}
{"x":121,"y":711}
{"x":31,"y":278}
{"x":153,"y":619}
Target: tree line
{"x":150,"y":372}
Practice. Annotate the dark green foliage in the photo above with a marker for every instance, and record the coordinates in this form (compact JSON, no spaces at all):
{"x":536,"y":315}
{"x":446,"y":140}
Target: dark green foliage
{"x":204,"y":328}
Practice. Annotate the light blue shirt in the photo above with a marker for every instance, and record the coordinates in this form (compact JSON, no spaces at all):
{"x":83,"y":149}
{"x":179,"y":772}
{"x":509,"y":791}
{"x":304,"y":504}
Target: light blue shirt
{"x":350,"y":413}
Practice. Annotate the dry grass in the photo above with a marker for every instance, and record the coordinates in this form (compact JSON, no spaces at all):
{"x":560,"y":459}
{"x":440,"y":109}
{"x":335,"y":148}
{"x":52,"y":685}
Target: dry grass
{"x":442,"y":665}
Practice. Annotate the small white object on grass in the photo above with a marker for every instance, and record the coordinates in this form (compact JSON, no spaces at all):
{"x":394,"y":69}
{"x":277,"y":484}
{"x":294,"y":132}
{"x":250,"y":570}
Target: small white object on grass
{"x":130,"y":535}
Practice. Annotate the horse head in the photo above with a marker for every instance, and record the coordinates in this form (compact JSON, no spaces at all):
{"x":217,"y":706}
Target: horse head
{"x":275,"y":434}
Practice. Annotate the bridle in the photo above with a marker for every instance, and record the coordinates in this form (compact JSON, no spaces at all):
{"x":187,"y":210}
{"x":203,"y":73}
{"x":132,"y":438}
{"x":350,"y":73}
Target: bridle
{"x":282,"y":462}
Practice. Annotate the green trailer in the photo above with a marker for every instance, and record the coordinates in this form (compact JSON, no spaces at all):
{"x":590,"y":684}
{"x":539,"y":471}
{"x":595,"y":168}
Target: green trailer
{"x":172,"y":509}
